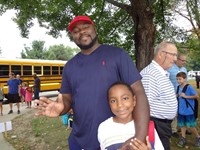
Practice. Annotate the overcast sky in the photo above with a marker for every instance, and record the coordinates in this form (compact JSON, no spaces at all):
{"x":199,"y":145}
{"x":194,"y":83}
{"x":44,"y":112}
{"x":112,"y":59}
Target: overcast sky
{"x":11,"y":42}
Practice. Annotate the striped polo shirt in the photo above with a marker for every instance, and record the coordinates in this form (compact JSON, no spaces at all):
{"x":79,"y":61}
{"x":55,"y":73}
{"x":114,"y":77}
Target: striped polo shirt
{"x":159,"y":91}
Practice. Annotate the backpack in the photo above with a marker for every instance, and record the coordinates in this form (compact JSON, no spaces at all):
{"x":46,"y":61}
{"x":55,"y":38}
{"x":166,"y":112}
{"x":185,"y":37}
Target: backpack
{"x":196,"y":103}
{"x":151,"y":134}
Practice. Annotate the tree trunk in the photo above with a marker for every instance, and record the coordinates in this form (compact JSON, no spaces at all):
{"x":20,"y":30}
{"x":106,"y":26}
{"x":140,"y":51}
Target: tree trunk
{"x":144,"y":33}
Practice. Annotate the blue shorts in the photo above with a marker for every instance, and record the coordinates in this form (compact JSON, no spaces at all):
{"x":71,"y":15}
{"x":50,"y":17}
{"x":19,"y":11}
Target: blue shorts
{"x":187,"y":121}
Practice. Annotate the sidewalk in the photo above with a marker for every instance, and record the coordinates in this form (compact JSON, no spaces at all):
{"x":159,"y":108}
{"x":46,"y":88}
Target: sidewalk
{"x":4,"y":145}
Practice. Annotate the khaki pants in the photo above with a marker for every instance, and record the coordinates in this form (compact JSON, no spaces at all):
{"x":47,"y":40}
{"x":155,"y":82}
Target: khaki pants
{"x":174,"y":125}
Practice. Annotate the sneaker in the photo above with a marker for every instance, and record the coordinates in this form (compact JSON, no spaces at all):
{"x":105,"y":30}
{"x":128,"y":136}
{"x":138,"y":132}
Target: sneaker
{"x":182,"y":142}
{"x":18,"y":112}
{"x":10,"y":112}
{"x":197,"y":143}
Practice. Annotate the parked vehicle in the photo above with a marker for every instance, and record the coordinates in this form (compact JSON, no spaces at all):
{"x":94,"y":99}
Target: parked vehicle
{"x":49,"y":71}
{"x":193,"y":73}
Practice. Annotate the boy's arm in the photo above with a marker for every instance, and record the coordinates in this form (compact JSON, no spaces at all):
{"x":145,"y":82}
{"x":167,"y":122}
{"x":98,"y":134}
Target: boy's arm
{"x":192,"y":93}
{"x":190,"y":97}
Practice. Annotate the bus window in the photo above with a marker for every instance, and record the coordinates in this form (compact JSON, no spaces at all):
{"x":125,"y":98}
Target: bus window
{"x":4,"y":71}
{"x":61,"y":69}
{"x":27,"y":70}
{"x":54,"y":70}
{"x":37,"y":69}
{"x":47,"y":70}
{"x":16,"y":69}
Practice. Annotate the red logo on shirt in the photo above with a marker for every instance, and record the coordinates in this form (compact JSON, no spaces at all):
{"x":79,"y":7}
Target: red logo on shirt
{"x":103,"y":62}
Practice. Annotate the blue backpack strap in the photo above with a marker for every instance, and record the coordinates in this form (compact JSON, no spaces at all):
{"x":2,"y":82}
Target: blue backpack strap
{"x":177,"y":90}
{"x":185,"y":88}
{"x":183,"y":91}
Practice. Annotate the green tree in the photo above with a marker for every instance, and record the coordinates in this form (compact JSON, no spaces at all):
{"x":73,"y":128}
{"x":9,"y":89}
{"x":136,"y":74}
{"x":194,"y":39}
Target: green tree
{"x":190,"y":11}
{"x":193,"y":45}
{"x":131,"y":19}
{"x":36,"y":51}
{"x":130,"y":24}
{"x":60,"y":52}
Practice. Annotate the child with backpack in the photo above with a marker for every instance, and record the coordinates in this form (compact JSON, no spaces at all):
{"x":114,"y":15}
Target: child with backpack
{"x":186,"y":96}
{"x":114,"y":131}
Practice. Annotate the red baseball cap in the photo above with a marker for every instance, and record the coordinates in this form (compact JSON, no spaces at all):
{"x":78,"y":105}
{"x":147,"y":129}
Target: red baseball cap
{"x":78,"y":19}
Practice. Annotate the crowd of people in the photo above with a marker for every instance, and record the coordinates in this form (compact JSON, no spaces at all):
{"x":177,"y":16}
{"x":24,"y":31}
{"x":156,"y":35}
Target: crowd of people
{"x":87,"y":92}
{"x":19,"y":92}
{"x":177,"y":67}
{"x":112,"y":107}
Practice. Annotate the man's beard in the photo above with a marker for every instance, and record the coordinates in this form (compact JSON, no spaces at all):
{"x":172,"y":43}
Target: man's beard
{"x":86,"y":47}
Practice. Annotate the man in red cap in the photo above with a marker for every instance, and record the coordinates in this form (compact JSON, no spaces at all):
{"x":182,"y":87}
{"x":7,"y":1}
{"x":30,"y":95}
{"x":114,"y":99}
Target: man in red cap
{"x":85,"y":80}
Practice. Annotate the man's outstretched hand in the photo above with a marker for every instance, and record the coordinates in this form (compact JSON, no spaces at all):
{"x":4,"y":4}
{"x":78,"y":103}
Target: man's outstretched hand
{"x":48,"y":107}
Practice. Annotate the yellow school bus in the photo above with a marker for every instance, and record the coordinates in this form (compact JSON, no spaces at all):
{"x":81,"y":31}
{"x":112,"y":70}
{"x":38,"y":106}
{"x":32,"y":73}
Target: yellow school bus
{"x":49,"y":71}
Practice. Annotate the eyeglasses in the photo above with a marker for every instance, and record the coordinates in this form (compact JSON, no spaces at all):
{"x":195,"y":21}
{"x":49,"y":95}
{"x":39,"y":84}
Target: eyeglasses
{"x":172,"y":54}
{"x":182,"y":60}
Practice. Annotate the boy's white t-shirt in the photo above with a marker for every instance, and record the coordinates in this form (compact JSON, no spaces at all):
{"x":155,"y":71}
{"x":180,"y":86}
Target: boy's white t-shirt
{"x":111,"y":135}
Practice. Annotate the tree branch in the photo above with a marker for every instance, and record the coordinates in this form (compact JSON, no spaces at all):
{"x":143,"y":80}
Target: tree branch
{"x":120,"y":22}
{"x":190,"y":16}
{"x":182,"y":15}
{"x":120,"y":5}
{"x":101,"y":10}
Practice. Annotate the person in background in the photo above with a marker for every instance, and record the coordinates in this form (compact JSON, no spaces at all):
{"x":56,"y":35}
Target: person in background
{"x":85,"y":80}
{"x":160,"y":90}
{"x":1,"y":100}
{"x":22,"y":92}
{"x":173,"y":71}
{"x":28,"y":96}
{"x":186,"y":118}
{"x":13,"y":92}
{"x":36,"y":86}
{"x":19,"y":78}
{"x":197,"y":78}
{"x":70,"y":120}
{"x":20,"y":81}
{"x":114,"y":131}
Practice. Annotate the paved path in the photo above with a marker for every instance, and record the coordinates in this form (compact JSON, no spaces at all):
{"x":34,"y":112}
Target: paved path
{"x":4,"y":145}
